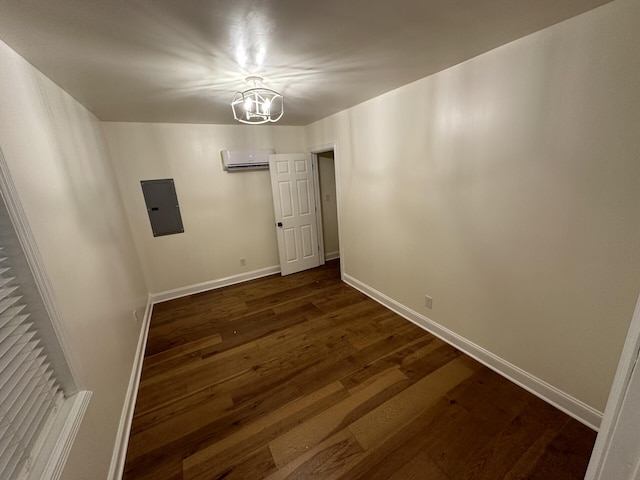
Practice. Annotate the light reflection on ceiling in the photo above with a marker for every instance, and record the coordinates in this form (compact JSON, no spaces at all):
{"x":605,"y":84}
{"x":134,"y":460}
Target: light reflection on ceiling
{"x":181,"y":61}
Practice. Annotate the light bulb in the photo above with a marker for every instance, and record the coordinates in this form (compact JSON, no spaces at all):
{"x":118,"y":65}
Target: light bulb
{"x":267,"y":105}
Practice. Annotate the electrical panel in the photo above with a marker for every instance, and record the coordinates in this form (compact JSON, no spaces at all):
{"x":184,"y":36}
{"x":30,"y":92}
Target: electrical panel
{"x":162,"y":206}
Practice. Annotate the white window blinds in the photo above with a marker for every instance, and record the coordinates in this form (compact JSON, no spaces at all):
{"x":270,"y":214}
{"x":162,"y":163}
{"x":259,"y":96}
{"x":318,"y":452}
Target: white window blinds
{"x":29,"y":392}
{"x":41,"y":408}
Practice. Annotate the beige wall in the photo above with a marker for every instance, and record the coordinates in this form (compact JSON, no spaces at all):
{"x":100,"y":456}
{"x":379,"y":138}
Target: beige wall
{"x":327,"y":176}
{"x":56,"y":155}
{"x":226,"y":216}
{"x":507,"y":188}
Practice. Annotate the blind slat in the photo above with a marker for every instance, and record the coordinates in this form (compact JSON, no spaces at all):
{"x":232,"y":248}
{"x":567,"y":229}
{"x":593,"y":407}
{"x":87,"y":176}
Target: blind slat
{"x":13,"y":329}
{"x":28,"y":386}
{"x":7,"y":302}
{"x":28,"y":411}
{"x":7,"y":291}
{"x":16,"y":355}
{"x":13,"y":347}
{"x":10,"y":313}
{"x":8,"y":452}
{"x":21,"y":377}
{"x":23,"y":432}
{"x":14,"y":319}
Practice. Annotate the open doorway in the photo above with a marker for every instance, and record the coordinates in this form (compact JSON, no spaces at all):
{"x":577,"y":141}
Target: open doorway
{"x":305,"y":202}
{"x":327,"y":202}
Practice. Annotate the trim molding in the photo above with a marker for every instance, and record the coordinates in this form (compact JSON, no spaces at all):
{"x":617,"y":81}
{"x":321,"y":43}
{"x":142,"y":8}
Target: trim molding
{"x":116,"y":469}
{"x":73,"y":412}
{"x":332,"y":255}
{"x":325,"y":147}
{"x":600,"y":466}
{"x":556,"y":397}
{"x":213,"y":284}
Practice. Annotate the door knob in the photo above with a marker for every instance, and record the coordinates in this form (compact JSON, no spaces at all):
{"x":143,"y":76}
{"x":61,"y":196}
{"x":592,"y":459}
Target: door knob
{"x":279,"y":224}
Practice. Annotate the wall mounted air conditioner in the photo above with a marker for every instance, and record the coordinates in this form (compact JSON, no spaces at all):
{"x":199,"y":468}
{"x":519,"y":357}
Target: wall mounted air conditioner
{"x":239,"y":160}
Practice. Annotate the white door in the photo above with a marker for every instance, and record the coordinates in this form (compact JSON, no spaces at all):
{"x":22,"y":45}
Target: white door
{"x":616,"y":454}
{"x":624,"y":453}
{"x":295,"y":210}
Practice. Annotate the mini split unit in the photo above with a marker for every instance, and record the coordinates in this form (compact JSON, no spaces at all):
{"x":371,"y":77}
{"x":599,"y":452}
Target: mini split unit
{"x":239,"y":160}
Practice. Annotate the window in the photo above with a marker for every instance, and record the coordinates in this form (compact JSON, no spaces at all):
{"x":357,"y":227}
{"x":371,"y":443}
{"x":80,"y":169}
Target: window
{"x":40,"y":406}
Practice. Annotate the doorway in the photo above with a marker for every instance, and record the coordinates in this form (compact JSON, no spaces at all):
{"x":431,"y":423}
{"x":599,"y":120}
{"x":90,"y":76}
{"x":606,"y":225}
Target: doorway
{"x":324,"y":166}
{"x":305,"y":199}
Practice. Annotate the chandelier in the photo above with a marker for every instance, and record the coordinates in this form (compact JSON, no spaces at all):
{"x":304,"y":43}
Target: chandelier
{"x":258,"y":104}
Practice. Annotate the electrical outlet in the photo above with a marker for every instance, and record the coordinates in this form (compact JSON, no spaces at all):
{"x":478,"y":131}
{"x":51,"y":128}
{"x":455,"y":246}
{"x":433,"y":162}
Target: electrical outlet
{"x":135,"y":316}
{"x":243,"y":262}
{"x":428,"y":301}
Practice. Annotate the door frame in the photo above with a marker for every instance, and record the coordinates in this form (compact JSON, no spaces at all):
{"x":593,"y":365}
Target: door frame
{"x":315,"y":151}
{"x":598,"y":468}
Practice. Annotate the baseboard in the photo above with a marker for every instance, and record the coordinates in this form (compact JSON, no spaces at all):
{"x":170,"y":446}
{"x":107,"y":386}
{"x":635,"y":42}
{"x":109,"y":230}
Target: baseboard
{"x":116,"y":470}
{"x":331,"y":256}
{"x":559,"y":399}
{"x":213,"y":284}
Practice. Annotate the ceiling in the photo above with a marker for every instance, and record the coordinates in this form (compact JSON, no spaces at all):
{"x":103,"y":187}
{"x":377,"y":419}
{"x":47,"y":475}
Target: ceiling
{"x":181,"y":61}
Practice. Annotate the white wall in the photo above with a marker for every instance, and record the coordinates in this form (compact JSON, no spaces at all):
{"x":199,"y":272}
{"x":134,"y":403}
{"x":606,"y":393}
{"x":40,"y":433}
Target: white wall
{"x":226,"y":216}
{"x":507,"y":188}
{"x":56,"y":155}
{"x":327,"y":176}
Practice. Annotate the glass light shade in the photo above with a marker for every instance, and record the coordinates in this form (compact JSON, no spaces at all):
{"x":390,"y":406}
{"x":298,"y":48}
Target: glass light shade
{"x":257,"y":105}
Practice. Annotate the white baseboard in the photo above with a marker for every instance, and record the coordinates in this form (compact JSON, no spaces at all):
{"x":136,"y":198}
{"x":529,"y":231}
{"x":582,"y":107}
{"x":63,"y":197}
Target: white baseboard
{"x":212,"y":284}
{"x":118,"y":458}
{"x":559,"y":399}
{"x":331,"y":255}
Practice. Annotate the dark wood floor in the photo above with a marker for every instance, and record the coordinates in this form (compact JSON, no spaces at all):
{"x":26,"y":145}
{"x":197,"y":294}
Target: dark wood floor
{"x":303,"y":377}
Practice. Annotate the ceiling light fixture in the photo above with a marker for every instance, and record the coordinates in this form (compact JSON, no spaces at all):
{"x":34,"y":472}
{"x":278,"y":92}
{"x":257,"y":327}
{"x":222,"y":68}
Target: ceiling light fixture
{"x":258,"y":104}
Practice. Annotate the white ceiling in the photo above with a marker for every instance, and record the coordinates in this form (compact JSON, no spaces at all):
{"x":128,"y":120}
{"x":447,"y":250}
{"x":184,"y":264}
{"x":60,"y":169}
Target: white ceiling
{"x":182,"y":60}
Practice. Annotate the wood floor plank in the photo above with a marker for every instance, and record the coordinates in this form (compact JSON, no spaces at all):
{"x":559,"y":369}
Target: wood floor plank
{"x":420,"y":467}
{"x":210,"y":433}
{"x":176,"y":426}
{"x":174,"y":407}
{"x":394,"y":414}
{"x":564,"y":457}
{"x":529,"y":459}
{"x":204,"y":460}
{"x":254,"y":464}
{"x":298,"y":440}
{"x":498,"y":456}
{"x":325,"y":460}
{"x":303,"y":377}
{"x":186,"y":350}
{"x":454,"y":443}
{"x":392,"y":359}
{"x":385,"y":459}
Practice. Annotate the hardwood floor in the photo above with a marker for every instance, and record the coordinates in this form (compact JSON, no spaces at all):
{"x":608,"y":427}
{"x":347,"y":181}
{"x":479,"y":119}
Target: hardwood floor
{"x":303,"y":377}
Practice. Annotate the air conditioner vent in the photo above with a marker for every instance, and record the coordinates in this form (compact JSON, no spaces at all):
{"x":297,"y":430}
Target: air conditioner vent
{"x":239,"y":160}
